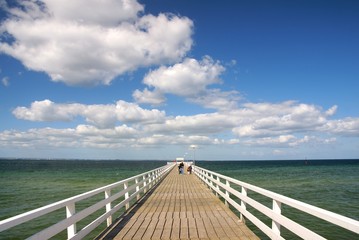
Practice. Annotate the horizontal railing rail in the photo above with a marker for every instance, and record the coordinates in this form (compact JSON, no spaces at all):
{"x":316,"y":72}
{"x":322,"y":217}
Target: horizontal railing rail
{"x":132,"y":188}
{"x":223,"y":186}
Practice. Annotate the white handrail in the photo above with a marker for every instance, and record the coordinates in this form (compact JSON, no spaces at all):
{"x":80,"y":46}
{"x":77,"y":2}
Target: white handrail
{"x":223,"y":185}
{"x":133,"y":187}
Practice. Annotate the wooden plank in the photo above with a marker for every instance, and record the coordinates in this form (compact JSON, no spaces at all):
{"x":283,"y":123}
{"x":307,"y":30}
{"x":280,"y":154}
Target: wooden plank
{"x":182,"y":207}
{"x":166,"y":233}
{"x":159,"y":229}
{"x":149,"y":231}
{"x":192,"y":228}
{"x":176,"y":228}
{"x":184,"y":231}
{"x":209,"y":227}
{"x":141,"y":229}
{"x":202,"y":233}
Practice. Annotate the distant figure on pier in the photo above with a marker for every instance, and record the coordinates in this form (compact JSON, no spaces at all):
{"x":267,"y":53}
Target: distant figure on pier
{"x":189,"y":169}
{"x":180,"y":168}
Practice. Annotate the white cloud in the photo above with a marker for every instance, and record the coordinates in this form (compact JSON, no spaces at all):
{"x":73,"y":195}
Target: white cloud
{"x":331,"y":111}
{"x":282,"y":125}
{"x":285,"y":141}
{"x":82,"y":136}
{"x":252,"y":120}
{"x":48,"y":111}
{"x":87,"y":136}
{"x":104,"y":116}
{"x":118,"y":132}
{"x":107,"y":13}
{"x":189,"y":78}
{"x":93,"y":47}
{"x":147,"y":96}
{"x":180,"y":139}
{"x":201,"y":124}
{"x":265,"y":119}
{"x":131,"y":112}
{"x":346,"y":127}
{"x":282,"y":140}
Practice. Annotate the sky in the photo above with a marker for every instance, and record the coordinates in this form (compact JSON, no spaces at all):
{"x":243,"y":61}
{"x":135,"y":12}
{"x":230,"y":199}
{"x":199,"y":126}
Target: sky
{"x":159,"y":79}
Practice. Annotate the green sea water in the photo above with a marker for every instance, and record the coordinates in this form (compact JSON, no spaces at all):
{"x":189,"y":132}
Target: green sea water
{"x":331,"y":184}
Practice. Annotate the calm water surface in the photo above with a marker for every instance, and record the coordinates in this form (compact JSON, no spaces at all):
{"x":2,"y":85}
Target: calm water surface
{"x":333,"y":185}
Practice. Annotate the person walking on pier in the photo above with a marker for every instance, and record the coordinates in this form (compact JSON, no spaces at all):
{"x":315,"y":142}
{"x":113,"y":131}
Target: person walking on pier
{"x":180,"y":168}
{"x":189,"y":169}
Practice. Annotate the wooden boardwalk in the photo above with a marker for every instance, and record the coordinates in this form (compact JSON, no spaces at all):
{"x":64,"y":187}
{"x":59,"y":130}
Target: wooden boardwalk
{"x":180,"y":207}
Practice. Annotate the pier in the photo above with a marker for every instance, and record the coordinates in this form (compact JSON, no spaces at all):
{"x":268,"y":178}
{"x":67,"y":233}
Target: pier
{"x":181,"y":207}
{"x":162,"y":204}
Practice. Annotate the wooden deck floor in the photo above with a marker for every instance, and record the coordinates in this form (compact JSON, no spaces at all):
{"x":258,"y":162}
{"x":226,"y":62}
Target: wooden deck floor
{"x":180,"y":207}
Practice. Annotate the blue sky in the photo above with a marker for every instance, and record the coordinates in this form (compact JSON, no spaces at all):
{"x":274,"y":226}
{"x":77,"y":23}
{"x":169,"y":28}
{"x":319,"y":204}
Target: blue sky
{"x":240,"y":80}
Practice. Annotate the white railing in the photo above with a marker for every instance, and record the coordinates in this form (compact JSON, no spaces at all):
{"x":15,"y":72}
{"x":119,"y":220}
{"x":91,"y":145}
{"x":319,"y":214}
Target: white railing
{"x":223,"y":186}
{"x":130,"y":189}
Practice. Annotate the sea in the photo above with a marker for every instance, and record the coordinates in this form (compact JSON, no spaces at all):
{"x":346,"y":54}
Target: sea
{"x":26,"y":184}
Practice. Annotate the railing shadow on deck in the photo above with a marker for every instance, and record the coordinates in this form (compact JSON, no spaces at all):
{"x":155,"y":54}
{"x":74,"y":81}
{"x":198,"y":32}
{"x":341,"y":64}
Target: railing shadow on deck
{"x":120,"y":194}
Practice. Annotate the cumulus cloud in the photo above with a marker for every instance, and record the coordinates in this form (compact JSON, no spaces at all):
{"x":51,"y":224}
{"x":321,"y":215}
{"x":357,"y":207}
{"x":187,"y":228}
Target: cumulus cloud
{"x":131,"y":112}
{"x":107,"y":13}
{"x":91,"y":47}
{"x":191,"y":79}
{"x":160,"y":139}
{"x":48,"y":111}
{"x":267,"y":119}
{"x":81,"y":136}
{"x":147,"y":96}
{"x":87,"y":136}
{"x":331,"y":111}
{"x":200,"y":124}
{"x":259,"y":120}
{"x":282,"y":140}
{"x":346,"y":127}
{"x":104,"y":116}
{"x":285,"y":141}
{"x":286,"y":124}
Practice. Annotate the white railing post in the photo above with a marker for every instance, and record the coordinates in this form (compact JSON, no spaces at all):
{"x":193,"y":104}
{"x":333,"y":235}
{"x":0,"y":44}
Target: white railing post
{"x":227,"y":193}
{"x":276,"y":209}
{"x":209,"y":180}
{"x":127,"y":195}
{"x":137,"y":189}
{"x":157,"y":176}
{"x":152,"y":179}
{"x":149,"y":181}
{"x":217,"y":186}
{"x":205,"y":175}
{"x":243,"y":204}
{"x":144,"y":184}
{"x":71,"y":210}
{"x":108,"y":206}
